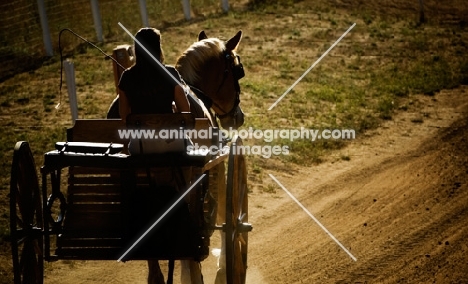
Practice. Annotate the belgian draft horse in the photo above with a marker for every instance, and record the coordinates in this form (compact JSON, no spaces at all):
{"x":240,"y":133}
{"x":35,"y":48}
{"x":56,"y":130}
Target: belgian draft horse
{"x":212,"y":69}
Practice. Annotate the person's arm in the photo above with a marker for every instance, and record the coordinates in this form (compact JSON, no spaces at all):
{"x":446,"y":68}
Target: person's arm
{"x":180,"y":99}
{"x":124,"y":106}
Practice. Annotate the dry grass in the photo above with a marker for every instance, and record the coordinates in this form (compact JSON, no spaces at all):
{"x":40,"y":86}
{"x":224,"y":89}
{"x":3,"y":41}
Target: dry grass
{"x":385,"y":60}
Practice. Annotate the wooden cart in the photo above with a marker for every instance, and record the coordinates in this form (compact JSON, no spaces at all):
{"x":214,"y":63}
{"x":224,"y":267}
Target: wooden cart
{"x":108,"y":200}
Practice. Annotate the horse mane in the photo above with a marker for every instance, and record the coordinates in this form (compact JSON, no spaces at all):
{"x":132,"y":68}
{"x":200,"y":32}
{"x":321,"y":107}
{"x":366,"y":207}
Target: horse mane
{"x":190,"y":63}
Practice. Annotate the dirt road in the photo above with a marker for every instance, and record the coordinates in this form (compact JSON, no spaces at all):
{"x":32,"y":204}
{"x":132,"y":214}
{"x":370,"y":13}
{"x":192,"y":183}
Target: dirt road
{"x":399,"y":205}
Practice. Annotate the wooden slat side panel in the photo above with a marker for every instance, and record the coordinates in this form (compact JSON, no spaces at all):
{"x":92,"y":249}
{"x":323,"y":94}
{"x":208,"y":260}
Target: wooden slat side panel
{"x":92,"y":220}
{"x":94,"y":198}
{"x":90,"y":185}
{"x":96,"y":130}
{"x":92,"y":233}
{"x":90,"y":170}
{"x":97,"y":189}
{"x":94,"y":180}
{"x":88,"y":208}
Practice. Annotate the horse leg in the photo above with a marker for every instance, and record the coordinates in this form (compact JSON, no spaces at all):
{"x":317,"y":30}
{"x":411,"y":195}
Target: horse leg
{"x":190,"y":272}
{"x":155,"y":275}
{"x":185,"y":272}
{"x":221,"y":254}
{"x":195,"y":272}
{"x":221,"y":217}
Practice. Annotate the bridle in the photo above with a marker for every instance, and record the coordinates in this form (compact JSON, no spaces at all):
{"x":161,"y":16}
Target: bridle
{"x":238,"y":73}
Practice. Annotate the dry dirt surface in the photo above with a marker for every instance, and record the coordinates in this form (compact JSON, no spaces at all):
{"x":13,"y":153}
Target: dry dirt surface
{"x":399,"y":205}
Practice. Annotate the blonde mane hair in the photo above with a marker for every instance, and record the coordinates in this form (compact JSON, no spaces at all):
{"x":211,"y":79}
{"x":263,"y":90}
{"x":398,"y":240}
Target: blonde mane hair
{"x":190,"y":63}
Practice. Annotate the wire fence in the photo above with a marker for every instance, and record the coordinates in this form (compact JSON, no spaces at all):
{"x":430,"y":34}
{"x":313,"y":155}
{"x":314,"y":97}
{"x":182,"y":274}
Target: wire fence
{"x":23,"y":44}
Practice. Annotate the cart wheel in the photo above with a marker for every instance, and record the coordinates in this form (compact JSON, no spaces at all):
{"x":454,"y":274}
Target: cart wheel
{"x":26,"y":218}
{"x":236,"y":226}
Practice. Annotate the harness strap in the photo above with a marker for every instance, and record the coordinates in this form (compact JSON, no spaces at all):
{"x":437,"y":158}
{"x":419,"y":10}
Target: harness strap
{"x":207,"y":101}
{"x":232,"y":112}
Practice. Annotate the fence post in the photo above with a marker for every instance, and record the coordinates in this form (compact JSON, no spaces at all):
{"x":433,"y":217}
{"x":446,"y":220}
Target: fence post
{"x":144,"y":14}
{"x":186,"y":7}
{"x":422,"y":19}
{"x":71,"y":87}
{"x":97,"y":19}
{"x":225,"y":5}
{"x":45,"y":28}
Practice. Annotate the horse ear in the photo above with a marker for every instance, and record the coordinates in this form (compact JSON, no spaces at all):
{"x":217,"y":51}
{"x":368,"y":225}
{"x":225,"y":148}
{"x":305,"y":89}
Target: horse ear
{"x":234,"y":41}
{"x":202,"y":36}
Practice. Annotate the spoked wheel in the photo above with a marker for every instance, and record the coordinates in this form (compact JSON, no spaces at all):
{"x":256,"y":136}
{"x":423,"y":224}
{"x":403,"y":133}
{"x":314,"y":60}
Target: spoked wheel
{"x":236,"y":226}
{"x":26,"y":218}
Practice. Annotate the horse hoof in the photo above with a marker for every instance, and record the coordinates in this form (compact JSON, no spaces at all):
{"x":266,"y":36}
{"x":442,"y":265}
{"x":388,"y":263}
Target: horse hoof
{"x":220,"y":276}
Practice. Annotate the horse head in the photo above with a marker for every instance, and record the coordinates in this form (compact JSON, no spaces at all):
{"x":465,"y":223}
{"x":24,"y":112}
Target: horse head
{"x":212,"y":68}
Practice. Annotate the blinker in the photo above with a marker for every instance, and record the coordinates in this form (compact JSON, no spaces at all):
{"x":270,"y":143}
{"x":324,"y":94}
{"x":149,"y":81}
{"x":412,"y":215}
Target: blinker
{"x":238,"y":70}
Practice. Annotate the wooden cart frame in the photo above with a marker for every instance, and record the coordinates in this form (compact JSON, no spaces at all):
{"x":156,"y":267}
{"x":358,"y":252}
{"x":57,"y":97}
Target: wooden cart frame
{"x":92,"y":217}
